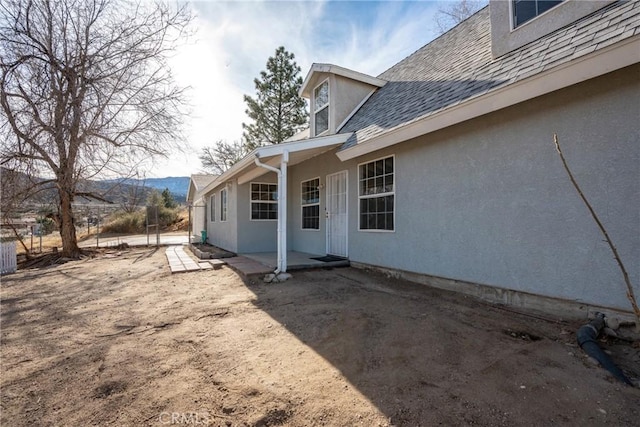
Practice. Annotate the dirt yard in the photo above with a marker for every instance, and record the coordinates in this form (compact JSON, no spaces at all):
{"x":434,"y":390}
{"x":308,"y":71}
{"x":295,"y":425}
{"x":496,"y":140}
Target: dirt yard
{"x":118,"y":340}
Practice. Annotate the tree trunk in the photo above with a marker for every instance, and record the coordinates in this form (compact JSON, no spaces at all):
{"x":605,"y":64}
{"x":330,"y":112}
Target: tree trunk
{"x":70,"y":247}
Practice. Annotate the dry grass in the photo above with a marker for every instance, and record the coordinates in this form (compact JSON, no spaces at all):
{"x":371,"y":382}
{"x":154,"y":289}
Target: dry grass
{"x":49,"y":241}
{"x":182,"y":224}
{"x":54,"y":240}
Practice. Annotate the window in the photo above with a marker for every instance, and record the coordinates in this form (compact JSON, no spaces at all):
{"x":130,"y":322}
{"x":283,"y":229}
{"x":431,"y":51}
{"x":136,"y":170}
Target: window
{"x":311,"y":204}
{"x":321,"y":107}
{"x":526,"y":10}
{"x":264,"y":201}
{"x":376,"y":193}
{"x":213,"y":208}
{"x":223,"y":205}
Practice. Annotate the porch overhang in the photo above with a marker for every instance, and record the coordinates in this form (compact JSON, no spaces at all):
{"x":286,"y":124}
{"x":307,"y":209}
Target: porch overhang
{"x":299,"y":151}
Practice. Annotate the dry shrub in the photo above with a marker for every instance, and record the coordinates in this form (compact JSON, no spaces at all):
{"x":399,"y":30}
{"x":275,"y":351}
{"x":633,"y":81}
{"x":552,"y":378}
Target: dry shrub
{"x":125,"y":222}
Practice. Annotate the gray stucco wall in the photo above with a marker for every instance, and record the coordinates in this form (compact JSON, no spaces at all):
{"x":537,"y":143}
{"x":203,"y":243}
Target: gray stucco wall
{"x":489,"y":202}
{"x":347,"y":94}
{"x":344,"y":95}
{"x":223,"y":234}
{"x":254,"y":236}
{"x":310,"y":241}
{"x":239,"y":233}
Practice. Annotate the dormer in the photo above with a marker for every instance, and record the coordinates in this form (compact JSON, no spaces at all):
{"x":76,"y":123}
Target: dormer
{"x":335,"y":94}
{"x":515,"y":23}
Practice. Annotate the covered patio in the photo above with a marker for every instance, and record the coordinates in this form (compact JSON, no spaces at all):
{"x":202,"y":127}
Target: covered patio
{"x":232,"y":232}
{"x":266,"y":262}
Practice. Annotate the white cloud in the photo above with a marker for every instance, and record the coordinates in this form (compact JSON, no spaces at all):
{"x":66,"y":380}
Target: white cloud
{"x":234,"y":40}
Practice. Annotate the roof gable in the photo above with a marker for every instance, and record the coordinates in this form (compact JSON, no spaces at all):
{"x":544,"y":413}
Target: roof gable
{"x":197,"y":183}
{"x":317,"y":69}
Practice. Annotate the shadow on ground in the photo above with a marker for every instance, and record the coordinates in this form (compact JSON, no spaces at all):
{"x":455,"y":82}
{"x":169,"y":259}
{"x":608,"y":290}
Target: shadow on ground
{"x":424,"y":356}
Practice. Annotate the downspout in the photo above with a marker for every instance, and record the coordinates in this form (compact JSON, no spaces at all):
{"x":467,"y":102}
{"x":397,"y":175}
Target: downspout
{"x":282,"y":209}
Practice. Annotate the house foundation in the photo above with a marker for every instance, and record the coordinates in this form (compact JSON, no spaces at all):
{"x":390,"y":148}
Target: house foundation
{"x":559,"y":308}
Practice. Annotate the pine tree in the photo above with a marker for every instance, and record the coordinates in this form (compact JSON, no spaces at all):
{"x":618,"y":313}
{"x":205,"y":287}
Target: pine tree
{"x":278,"y":112}
{"x":167,"y":199}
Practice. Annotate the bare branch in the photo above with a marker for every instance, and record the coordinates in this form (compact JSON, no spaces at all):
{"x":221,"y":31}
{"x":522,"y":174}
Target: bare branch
{"x":451,"y":13}
{"x":222,"y":155}
{"x":630,"y":294}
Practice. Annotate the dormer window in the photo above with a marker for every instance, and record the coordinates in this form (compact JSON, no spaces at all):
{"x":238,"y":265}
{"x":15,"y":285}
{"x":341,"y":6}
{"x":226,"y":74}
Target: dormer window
{"x":526,"y":10}
{"x":321,"y":107}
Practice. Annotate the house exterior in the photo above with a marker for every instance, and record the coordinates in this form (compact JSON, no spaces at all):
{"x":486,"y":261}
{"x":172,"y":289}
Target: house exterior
{"x":443,"y":168}
{"x":198,"y":201}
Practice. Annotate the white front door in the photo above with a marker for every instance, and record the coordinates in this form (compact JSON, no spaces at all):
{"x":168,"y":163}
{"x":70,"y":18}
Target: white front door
{"x":336,"y":214}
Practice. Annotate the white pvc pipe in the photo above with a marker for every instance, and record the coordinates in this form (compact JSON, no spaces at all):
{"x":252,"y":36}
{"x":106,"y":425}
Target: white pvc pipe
{"x":282,"y":209}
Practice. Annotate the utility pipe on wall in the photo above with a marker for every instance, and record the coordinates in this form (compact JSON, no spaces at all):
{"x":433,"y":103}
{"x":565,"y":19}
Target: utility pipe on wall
{"x":282,"y":209}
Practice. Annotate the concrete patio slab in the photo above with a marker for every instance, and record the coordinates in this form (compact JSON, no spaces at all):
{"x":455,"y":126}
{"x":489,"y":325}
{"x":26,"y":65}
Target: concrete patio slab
{"x":265,"y":262}
{"x":179,"y":261}
{"x":294,"y":259}
{"x":247,"y":267}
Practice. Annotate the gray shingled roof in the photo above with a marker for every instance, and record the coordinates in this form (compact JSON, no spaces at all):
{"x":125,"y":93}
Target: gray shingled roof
{"x":202,"y":180}
{"x":458,"y":66}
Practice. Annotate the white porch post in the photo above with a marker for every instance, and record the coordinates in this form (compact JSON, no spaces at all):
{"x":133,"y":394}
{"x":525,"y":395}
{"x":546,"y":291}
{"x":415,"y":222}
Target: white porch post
{"x":282,"y":212}
{"x":282,"y":209}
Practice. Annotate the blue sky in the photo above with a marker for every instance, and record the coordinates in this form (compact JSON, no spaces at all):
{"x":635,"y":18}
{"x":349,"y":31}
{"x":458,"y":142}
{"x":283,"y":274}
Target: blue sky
{"x":234,"y":39}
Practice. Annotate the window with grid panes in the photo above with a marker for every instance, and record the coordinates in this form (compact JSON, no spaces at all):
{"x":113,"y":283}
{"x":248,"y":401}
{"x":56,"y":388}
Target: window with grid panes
{"x":376,"y":193}
{"x":321,"y":107}
{"x":526,"y":10}
{"x":310,"y":204}
{"x":264,"y":201}
{"x":223,"y":205}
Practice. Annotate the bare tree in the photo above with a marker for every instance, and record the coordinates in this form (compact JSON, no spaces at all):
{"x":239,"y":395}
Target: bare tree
{"x":135,"y":194}
{"x":86,"y":90}
{"x":223,"y":155}
{"x":451,"y":13}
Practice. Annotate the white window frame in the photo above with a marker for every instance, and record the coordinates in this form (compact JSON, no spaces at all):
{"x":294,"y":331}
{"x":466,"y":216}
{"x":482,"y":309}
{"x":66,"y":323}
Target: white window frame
{"x":315,"y":111}
{"x":512,"y":14}
{"x":212,"y":208}
{"x":251,"y":202}
{"x":372,"y":196}
{"x":306,"y":205}
{"x":223,"y":205}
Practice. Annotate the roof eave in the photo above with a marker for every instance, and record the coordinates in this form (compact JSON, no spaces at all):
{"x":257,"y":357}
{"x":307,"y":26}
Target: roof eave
{"x":606,"y":60}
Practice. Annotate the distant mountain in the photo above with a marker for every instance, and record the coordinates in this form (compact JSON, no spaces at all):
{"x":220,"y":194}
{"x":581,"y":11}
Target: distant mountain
{"x":114,"y":191}
{"x":177,"y":185}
